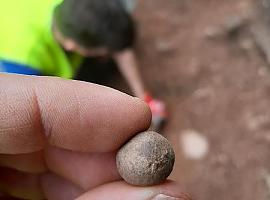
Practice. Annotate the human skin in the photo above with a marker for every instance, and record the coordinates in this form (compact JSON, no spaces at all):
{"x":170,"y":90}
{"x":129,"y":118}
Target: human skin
{"x":58,"y":140}
{"x":128,"y":66}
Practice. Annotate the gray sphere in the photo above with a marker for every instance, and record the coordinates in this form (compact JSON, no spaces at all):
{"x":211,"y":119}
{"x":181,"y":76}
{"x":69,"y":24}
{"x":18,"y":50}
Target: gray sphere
{"x":147,"y":159}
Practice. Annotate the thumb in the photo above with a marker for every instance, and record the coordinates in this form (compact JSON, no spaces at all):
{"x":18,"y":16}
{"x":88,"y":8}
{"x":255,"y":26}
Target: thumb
{"x":123,"y":191}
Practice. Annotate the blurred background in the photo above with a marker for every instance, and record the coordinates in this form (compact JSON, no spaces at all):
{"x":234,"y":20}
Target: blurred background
{"x":209,"y":61}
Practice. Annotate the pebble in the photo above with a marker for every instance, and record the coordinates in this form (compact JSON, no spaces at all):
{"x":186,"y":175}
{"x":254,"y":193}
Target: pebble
{"x":195,"y":146}
{"x":147,"y":159}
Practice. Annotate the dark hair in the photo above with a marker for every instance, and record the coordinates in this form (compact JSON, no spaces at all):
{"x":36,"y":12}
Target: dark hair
{"x":96,"y":23}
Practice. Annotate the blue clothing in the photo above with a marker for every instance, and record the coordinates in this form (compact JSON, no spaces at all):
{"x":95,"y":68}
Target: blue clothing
{"x":16,"y":68}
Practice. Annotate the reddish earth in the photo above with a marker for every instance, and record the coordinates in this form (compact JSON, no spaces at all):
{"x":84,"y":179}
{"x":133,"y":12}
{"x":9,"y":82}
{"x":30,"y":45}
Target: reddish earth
{"x":217,"y":85}
{"x":214,"y":86}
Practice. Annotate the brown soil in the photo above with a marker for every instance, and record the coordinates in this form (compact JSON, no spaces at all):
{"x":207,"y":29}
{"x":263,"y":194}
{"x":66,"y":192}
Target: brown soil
{"x":218,"y":86}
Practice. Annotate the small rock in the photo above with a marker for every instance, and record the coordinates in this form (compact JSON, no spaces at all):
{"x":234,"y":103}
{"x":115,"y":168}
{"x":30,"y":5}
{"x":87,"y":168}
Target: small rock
{"x":203,"y":93}
{"x":256,"y":122}
{"x":164,"y":46}
{"x":263,"y":71}
{"x":266,"y":178}
{"x":147,"y":159}
{"x":247,"y":44}
{"x":212,"y":32}
{"x":195,"y":145}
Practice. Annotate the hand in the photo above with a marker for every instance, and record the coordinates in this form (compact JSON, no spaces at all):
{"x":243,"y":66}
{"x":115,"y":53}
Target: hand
{"x":159,"y":112}
{"x":58,"y":140}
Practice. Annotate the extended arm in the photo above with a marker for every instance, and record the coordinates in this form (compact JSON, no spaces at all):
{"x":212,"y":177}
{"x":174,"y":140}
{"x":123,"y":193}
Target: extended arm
{"x":128,"y":66}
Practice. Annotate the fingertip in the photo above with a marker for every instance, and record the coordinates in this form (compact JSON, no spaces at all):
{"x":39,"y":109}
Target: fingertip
{"x":72,"y":115}
{"x":172,"y":189}
{"x":146,"y":114}
{"x":123,"y":191}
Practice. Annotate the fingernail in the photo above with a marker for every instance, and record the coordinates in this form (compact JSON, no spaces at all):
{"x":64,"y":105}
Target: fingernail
{"x":165,"y":197}
{"x":183,"y":196}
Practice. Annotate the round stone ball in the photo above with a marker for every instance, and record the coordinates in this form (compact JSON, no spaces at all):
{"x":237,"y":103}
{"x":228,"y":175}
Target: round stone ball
{"x":147,"y":159}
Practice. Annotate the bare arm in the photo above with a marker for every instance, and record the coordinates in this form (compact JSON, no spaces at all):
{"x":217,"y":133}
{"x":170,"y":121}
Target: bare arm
{"x":128,"y":66}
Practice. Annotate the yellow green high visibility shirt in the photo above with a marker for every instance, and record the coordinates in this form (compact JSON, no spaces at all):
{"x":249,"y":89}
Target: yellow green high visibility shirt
{"x":26,"y":37}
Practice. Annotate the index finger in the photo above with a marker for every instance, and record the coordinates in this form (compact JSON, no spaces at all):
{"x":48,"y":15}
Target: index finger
{"x":67,"y":114}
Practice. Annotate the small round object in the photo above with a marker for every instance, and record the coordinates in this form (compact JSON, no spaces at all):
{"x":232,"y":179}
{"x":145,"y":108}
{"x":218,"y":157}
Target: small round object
{"x":147,"y":159}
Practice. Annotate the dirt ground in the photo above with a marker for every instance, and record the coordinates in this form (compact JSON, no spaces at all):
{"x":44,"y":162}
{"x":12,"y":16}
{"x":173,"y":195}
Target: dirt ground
{"x":200,"y":58}
{"x":215,"y":81}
